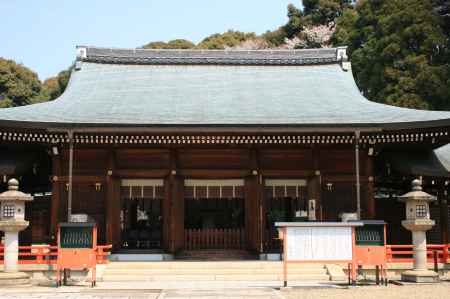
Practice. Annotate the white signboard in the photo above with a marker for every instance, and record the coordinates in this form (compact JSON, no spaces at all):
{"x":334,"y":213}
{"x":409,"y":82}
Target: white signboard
{"x":319,"y":243}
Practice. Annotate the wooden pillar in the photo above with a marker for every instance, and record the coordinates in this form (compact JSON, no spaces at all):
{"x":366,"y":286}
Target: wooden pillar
{"x":257,"y":218}
{"x":174,"y":227}
{"x":252,"y":213}
{"x":112,"y":203}
{"x":175,"y":203}
{"x":254,"y":205}
{"x":63,"y":184}
{"x":314,"y":192}
{"x":261,"y":211}
{"x":370,"y":198}
{"x":56,"y":195}
{"x":444,"y":214}
{"x":166,"y":215}
{"x":315,"y":184}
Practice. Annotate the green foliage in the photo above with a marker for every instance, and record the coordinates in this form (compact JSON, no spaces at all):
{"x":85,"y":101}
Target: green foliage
{"x":172,"y":44}
{"x":55,"y":86}
{"x":227,"y":39}
{"x":180,"y":44}
{"x":308,"y":42}
{"x":155,"y":45}
{"x":18,"y":85}
{"x":295,"y":22}
{"x":275,"y":38}
{"x":343,"y":34}
{"x":292,"y":28}
{"x":397,"y":49}
{"x":442,"y":9}
{"x":324,"y":11}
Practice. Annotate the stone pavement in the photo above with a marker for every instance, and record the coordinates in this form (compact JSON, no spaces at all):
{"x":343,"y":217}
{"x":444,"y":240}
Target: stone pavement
{"x":84,"y":293}
{"x":155,"y":290}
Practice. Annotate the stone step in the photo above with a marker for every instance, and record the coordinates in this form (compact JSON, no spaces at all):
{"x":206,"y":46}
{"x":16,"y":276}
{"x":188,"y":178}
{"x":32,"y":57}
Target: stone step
{"x":212,"y":271}
{"x":268,"y":265}
{"x":218,"y":277}
{"x":14,"y":279}
{"x":215,"y":255}
{"x":159,"y":271}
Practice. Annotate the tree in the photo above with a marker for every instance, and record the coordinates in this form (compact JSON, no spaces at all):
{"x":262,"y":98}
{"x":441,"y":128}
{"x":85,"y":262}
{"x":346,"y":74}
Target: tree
{"x":343,"y":35}
{"x":18,"y":85}
{"x":155,"y":45}
{"x":324,"y":11}
{"x":275,"y":38}
{"x":224,"y":40}
{"x":55,"y":86}
{"x":172,"y":44}
{"x":295,"y":22}
{"x":442,"y":8}
{"x":180,"y":44}
{"x":396,"y":49}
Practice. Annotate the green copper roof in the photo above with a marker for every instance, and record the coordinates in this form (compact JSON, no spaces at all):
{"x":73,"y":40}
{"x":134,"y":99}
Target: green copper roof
{"x":422,"y":162}
{"x":252,"y":91}
{"x":443,"y":155}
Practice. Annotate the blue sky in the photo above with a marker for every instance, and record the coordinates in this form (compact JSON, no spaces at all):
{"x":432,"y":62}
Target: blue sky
{"x":42,"y":34}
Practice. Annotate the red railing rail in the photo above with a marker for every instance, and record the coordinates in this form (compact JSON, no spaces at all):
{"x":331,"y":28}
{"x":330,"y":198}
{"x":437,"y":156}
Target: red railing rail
{"x":102,"y":253}
{"x":214,"y":238}
{"x":47,"y":254}
{"x":404,"y":253}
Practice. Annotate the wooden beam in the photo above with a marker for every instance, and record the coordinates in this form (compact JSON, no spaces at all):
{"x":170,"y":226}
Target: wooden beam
{"x":214,"y":173}
{"x":141,"y":173}
{"x":81,"y":179}
{"x":286,"y":173}
{"x":210,"y":173}
{"x":342,"y":178}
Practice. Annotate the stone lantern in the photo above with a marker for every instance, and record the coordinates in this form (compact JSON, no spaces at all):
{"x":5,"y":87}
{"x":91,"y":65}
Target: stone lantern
{"x":418,"y":222}
{"x":12,"y":221}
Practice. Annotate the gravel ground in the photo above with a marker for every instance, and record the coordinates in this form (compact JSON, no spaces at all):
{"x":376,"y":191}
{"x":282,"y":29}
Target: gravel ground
{"x":409,"y":291}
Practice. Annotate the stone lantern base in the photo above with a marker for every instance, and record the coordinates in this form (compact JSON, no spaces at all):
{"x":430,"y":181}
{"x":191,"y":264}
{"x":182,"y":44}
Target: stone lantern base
{"x":13,"y":279}
{"x":420,"y":276}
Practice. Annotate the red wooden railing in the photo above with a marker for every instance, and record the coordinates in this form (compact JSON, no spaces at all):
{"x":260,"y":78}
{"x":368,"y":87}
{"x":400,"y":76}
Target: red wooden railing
{"x":102,"y":253}
{"x":404,"y":253}
{"x":47,"y":254}
{"x":214,"y":238}
{"x":220,"y":239}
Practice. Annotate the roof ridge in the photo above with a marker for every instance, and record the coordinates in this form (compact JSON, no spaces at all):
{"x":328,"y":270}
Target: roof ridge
{"x":211,"y":50}
{"x":206,"y":56}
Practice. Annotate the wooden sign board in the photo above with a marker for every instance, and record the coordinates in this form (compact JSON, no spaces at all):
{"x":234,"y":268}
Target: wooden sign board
{"x":319,"y":243}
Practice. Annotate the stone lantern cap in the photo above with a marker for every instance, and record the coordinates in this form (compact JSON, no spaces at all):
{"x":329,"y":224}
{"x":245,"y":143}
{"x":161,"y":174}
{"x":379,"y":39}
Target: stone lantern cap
{"x":417,"y":194}
{"x":13,"y":192}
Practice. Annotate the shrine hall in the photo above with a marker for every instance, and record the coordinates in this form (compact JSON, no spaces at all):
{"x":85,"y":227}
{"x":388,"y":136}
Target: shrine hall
{"x":183,"y":150}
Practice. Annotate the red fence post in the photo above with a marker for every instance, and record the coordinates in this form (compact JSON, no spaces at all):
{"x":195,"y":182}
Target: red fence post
{"x":445,"y":253}
{"x":39,"y":255}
